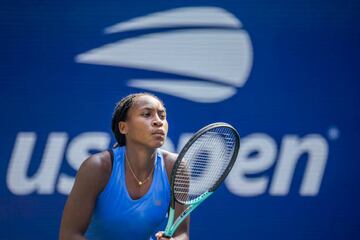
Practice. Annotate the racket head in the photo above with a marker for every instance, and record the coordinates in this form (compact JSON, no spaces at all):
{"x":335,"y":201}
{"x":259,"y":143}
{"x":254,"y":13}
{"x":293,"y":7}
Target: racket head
{"x":204,"y":162}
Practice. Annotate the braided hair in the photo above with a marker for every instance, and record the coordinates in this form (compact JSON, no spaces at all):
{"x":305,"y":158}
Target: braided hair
{"x":120,"y":114}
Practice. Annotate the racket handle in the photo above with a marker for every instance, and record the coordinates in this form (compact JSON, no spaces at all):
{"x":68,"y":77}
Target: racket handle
{"x":165,"y":235}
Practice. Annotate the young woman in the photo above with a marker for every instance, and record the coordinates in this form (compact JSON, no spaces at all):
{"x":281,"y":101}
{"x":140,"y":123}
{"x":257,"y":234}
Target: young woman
{"x":124,"y":193}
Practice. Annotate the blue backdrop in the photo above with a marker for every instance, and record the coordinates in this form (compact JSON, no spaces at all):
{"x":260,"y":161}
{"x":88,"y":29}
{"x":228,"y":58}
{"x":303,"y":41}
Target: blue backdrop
{"x":284,"y":73}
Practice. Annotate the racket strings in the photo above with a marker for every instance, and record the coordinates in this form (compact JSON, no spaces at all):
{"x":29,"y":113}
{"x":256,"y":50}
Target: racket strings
{"x":204,"y":163}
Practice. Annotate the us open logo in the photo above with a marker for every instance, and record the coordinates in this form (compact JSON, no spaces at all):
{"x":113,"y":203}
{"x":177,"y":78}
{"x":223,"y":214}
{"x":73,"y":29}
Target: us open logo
{"x":211,"y":54}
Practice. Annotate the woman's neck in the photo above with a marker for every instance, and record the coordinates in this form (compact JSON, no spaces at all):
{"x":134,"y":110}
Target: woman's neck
{"x":141,"y":159}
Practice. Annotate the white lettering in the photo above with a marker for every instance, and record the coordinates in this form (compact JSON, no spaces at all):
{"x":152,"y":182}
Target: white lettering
{"x":257,"y":154}
{"x":43,"y":181}
{"x":292,"y":148}
{"x":264,"y":148}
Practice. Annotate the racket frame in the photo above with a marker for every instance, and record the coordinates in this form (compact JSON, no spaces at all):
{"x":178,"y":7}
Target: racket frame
{"x":171,"y":225}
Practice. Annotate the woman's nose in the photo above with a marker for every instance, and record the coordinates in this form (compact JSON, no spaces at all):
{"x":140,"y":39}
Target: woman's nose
{"x":157,"y":121}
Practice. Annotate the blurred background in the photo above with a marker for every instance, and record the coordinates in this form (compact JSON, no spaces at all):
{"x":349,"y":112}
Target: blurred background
{"x":284,"y":73}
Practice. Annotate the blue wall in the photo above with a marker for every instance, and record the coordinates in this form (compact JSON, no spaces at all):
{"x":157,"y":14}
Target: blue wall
{"x":284,"y":73}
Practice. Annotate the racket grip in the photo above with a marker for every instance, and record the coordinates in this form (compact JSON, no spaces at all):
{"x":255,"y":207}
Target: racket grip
{"x":166,"y":236}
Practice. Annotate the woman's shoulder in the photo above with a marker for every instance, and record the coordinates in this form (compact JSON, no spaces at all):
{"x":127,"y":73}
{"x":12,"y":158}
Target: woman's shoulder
{"x":97,"y":168}
{"x":101,"y":161}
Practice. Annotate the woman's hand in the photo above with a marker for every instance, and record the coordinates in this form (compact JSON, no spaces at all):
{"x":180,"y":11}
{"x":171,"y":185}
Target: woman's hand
{"x":159,"y":236}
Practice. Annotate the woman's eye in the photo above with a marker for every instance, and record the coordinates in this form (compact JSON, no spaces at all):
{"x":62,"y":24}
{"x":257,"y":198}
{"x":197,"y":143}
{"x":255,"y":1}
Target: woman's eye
{"x":147,"y":114}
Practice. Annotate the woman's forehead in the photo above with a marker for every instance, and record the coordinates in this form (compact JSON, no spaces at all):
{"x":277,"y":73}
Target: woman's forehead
{"x":147,"y":101}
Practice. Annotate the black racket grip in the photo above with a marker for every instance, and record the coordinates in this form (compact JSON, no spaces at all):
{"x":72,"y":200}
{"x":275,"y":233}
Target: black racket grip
{"x":166,"y":236}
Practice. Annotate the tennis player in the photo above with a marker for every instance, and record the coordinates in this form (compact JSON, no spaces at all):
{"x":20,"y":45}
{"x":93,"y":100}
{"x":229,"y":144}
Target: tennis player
{"x":124,"y":193}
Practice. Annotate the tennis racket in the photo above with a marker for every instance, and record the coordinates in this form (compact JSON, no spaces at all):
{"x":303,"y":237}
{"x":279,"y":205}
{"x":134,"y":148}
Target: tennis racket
{"x":200,"y":168}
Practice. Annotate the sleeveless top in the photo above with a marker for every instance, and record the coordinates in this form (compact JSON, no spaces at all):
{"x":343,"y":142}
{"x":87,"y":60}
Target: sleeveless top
{"x":117,"y":216}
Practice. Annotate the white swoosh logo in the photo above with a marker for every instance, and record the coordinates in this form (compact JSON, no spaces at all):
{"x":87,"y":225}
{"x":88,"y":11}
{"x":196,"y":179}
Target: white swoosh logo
{"x":221,"y":56}
{"x":180,"y":17}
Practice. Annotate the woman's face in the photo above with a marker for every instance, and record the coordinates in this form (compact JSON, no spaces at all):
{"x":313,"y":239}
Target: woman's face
{"x":146,"y":122}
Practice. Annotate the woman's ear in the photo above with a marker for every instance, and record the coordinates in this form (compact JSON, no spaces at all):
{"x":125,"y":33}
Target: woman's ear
{"x":123,"y":128}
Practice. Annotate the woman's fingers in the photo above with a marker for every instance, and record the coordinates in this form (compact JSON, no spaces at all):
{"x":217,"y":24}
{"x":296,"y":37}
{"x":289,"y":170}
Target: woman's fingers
{"x":159,"y":236}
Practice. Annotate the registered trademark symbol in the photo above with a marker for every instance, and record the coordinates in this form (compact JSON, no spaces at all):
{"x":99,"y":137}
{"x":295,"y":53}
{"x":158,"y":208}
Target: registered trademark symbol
{"x":333,"y":133}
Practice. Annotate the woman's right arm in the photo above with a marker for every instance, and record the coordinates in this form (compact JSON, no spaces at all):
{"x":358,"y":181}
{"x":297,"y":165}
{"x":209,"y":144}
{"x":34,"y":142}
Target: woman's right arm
{"x":90,"y":180}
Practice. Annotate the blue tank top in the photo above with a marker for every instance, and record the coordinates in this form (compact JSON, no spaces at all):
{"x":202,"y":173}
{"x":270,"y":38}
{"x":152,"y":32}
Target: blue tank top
{"x":117,"y":216}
